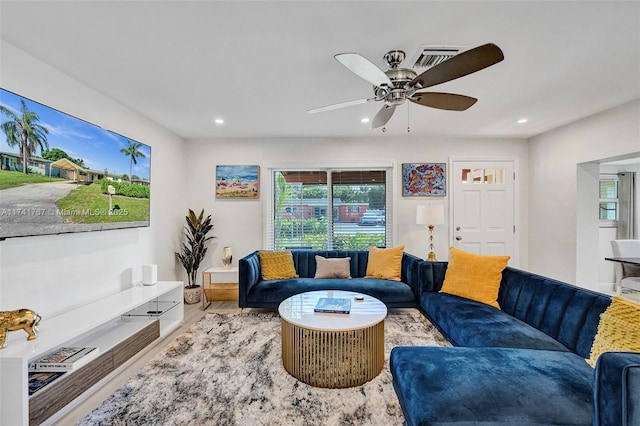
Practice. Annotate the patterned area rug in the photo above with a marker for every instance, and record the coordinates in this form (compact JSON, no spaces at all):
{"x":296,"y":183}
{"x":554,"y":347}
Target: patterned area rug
{"x":227,"y":370}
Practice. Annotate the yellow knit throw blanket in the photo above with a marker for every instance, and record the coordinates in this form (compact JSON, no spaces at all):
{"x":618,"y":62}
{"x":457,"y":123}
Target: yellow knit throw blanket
{"x":618,"y":329}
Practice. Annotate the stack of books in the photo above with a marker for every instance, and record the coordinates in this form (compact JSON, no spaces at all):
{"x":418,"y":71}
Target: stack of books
{"x":53,"y":365}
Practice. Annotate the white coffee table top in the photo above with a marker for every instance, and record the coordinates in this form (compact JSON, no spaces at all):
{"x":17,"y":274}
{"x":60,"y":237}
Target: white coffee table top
{"x":298,"y":310}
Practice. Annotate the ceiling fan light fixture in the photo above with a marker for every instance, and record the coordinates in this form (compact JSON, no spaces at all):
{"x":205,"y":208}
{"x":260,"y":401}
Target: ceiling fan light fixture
{"x":397,"y":85}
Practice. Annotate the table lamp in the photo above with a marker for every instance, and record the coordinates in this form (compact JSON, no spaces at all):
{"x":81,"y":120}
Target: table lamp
{"x":430,"y":215}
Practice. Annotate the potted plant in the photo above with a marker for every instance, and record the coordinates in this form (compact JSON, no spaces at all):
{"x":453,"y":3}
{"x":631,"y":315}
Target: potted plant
{"x":193,"y":250}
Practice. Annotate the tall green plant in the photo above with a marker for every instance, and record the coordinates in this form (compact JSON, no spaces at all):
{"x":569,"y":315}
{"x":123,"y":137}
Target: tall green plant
{"x":194,"y":248}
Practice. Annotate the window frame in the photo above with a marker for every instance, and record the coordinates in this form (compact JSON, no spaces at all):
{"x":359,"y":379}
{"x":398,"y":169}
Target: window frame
{"x":269,"y":192}
{"x":609,"y":223}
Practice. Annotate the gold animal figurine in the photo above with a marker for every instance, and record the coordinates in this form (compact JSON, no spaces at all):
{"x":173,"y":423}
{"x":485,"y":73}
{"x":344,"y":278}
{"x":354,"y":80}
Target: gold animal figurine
{"x":24,"y":319}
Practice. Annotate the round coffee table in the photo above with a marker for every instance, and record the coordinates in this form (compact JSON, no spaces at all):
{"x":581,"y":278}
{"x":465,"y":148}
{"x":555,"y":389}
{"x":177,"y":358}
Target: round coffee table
{"x":332,"y":350}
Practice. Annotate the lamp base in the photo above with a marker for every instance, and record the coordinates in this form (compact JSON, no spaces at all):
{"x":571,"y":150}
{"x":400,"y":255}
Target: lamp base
{"x":431,"y":257}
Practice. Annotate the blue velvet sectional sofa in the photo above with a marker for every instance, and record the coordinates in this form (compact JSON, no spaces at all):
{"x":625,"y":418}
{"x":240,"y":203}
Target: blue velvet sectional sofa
{"x":254,"y":292}
{"x":521,"y":365}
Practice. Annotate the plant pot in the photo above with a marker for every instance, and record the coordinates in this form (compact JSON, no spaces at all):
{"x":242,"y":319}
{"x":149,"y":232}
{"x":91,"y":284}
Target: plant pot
{"x":192,"y":295}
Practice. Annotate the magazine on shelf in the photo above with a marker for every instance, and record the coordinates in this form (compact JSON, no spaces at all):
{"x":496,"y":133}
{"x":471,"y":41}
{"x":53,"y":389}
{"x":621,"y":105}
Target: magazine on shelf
{"x":64,"y":359}
{"x":333,"y":306}
{"x":39,"y":380}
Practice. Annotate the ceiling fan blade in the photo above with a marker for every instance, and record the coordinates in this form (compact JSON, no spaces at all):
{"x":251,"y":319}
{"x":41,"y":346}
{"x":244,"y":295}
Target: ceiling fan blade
{"x":383,"y":116}
{"x":363,"y":68}
{"x":460,"y":65}
{"x":448,"y":101}
{"x":339,"y":105}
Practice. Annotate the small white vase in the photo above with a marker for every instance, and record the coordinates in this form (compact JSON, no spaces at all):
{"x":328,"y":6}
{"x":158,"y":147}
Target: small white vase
{"x":227,"y":257}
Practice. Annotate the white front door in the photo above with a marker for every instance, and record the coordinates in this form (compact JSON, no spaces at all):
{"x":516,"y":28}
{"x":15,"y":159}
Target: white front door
{"x":483,"y":207}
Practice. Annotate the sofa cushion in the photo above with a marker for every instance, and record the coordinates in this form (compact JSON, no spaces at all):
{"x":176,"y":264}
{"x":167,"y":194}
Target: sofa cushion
{"x":465,"y":386}
{"x":271,"y":293}
{"x":619,"y":329}
{"x":276,"y":265}
{"x":474,"y":276}
{"x":385,"y":263}
{"x":466,"y":322}
{"x":333,"y":268}
{"x":305,"y":261}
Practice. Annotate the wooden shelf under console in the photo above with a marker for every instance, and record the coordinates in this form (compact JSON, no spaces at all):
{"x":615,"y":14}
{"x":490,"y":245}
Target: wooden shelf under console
{"x":61,"y":392}
{"x":120,"y":325}
{"x":219,"y":284}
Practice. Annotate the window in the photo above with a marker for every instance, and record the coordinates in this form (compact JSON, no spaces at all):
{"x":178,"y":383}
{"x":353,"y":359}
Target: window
{"x":609,"y":200}
{"x":346,"y":209}
{"x":483,"y":176}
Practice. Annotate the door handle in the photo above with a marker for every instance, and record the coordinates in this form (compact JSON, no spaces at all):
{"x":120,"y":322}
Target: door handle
{"x":458,"y":238}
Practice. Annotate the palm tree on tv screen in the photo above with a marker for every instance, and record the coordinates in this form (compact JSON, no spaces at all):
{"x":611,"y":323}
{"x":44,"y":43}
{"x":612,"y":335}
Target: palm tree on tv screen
{"x":24,"y":131}
{"x":132,"y":152}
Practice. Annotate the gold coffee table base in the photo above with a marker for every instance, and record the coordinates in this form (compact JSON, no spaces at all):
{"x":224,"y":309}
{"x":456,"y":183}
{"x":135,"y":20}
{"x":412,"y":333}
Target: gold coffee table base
{"x":333,"y":359}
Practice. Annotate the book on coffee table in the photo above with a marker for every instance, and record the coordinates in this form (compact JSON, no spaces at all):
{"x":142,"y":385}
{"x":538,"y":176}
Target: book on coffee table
{"x":333,"y":306}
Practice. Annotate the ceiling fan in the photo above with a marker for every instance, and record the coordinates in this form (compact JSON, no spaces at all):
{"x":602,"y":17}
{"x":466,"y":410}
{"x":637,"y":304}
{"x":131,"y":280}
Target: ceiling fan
{"x":397,"y":85}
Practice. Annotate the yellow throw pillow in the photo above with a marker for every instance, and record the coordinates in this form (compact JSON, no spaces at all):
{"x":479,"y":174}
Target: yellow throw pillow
{"x":618,"y":329}
{"x":338,"y":267}
{"x":277,"y":265}
{"x":385,"y":263}
{"x":474,"y":276}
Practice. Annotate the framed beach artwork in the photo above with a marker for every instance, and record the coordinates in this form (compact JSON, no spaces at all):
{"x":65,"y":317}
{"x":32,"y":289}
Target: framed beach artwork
{"x":238,"y":182}
{"x":424,"y":179}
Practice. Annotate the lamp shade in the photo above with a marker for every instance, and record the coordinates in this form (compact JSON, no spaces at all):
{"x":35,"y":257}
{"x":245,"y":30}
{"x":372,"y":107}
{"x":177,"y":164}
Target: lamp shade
{"x":430,"y":215}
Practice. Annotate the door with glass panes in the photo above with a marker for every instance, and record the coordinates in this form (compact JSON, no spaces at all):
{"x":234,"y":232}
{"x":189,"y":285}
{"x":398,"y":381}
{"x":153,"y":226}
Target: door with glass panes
{"x":483,"y":207}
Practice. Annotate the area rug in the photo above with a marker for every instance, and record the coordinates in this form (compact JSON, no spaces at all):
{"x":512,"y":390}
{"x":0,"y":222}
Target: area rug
{"x":226,"y":370}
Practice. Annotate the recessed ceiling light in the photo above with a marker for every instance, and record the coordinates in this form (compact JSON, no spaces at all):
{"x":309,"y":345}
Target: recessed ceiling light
{"x":364,"y":120}
{"x":522,"y":121}
{"x":218,"y":121}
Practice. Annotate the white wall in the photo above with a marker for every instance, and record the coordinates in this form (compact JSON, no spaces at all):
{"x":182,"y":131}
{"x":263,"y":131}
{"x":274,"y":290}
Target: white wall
{"x":557,"y":247}
{"x":52,"y":274}
{"x":606,"y":270}
{"x":240,"y":223}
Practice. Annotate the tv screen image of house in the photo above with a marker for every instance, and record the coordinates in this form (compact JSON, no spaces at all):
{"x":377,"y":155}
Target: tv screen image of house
{"x":61,"y":174}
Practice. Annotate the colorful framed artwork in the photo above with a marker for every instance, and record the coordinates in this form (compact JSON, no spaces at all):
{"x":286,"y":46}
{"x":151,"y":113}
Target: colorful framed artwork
{"x":238,"y":182}
{"x":424,"y":179}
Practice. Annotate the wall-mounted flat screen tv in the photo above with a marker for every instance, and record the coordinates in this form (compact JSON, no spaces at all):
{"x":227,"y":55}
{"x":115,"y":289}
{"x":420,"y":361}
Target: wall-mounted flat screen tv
{"x":61,"y":174}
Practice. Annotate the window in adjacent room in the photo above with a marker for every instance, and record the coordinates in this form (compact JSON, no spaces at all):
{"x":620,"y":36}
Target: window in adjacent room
{"x":345,"y":209}
{"x":609,"y":203}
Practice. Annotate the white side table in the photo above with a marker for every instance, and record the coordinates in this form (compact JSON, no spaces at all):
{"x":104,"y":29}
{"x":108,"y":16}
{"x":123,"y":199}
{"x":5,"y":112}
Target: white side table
{"x":219,"y":283}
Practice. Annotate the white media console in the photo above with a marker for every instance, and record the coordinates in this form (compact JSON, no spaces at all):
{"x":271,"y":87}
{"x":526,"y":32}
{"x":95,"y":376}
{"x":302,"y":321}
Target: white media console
{"x":119,"y":325}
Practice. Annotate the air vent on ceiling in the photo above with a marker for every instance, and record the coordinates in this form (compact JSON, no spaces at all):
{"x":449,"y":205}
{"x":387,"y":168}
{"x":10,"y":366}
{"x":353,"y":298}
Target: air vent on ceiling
{"x":429,"y":56}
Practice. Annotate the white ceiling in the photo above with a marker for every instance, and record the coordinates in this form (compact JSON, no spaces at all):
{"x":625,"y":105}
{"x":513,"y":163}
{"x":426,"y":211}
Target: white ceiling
{"x":261,"y":65}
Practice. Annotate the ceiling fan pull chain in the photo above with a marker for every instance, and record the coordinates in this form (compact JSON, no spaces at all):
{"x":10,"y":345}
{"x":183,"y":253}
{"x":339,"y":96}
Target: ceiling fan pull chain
{"x":408,"y":118}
